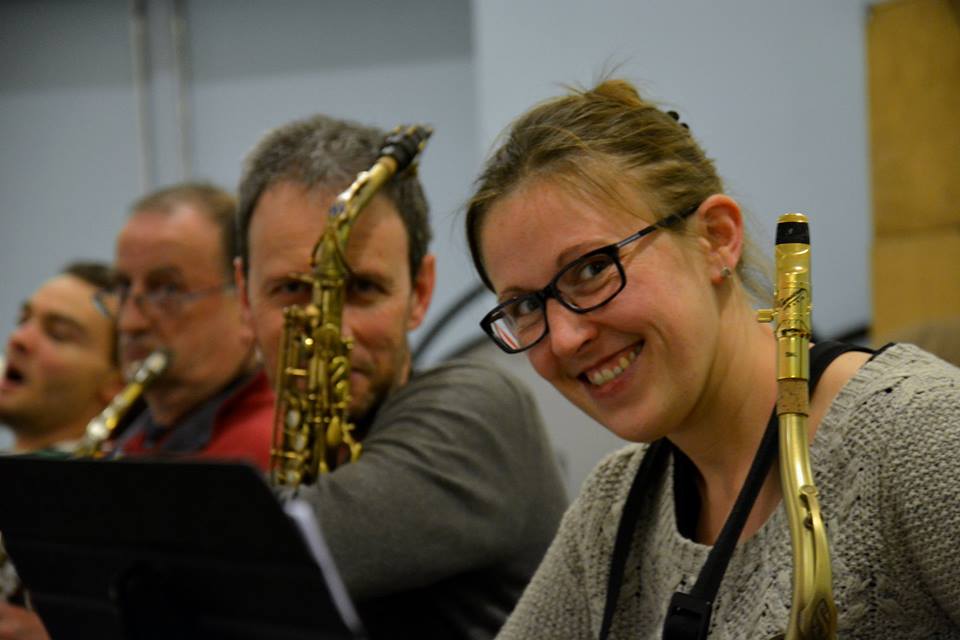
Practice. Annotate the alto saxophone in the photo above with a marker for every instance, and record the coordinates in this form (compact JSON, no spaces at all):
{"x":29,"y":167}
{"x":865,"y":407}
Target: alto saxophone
{"x":813,"y":614}
{"x":102,"y":427}
{"x":312,"y":424}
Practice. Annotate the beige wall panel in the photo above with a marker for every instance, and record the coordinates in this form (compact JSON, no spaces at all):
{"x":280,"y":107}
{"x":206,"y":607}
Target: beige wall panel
{"x":915,"y":279}
{"x":913,"y":51}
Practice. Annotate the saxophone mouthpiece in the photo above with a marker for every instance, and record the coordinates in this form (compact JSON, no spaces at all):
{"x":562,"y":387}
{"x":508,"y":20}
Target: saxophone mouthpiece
{"x":793,"y":228}
{"x":404,"y":143}
{"x":150,"y":367}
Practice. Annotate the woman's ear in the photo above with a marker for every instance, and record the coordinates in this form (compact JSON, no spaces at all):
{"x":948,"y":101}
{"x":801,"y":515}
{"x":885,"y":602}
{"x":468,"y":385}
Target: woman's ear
{"x":722,"y":232}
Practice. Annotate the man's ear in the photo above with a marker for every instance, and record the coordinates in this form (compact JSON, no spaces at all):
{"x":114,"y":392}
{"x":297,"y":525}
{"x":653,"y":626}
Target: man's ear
{"x":422,"y":291}
{"x":240,"y":282}
{"x":722,"y":234}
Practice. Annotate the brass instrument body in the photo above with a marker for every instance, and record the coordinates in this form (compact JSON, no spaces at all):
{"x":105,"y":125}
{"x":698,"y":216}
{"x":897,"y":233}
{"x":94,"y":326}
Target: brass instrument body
{"x":313,"y":401}
{"x":101,"y":428}
{"x":813,"y":614}
{"x":312,"y":429}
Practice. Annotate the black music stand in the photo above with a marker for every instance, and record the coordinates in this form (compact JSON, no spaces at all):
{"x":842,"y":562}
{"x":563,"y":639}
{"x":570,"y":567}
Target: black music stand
{"x":136,"y":549}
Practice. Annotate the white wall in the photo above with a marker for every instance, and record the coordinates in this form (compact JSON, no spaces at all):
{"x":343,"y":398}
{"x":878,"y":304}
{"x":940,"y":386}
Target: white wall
{"x":68,"y":120}
{"x":773,"y":89}
{"x":775,"y":92}
{"x":67,"y":138}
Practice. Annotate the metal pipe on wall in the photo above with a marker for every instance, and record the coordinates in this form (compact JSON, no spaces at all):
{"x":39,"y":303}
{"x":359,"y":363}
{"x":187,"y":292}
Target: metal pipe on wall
{"x":141,"y":71}
{"x":181,"y":71}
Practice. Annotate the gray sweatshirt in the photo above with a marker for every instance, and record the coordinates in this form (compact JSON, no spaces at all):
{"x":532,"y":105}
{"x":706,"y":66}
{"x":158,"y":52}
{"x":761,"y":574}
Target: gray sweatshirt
{"x":443,"y":520}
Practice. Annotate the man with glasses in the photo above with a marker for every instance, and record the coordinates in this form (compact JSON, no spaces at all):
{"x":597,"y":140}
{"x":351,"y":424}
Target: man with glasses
{"x":174,"y":292}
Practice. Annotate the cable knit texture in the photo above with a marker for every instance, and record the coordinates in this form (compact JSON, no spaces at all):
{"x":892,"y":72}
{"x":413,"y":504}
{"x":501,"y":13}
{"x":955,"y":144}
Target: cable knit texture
{"x":886,"y":460}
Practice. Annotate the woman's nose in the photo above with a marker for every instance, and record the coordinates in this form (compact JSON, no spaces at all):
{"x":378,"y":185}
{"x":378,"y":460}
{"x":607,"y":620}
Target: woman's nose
{"x":569,"y":331}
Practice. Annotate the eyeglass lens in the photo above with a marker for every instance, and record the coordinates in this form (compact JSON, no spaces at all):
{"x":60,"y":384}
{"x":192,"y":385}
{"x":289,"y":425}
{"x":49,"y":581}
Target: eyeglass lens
{"x":583,"y":285}
{"x":164,"y":300}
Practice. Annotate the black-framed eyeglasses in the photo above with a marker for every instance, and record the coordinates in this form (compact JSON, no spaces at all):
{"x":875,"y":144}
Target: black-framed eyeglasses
{"x":587,"y":283}
{"x":164,"y":300}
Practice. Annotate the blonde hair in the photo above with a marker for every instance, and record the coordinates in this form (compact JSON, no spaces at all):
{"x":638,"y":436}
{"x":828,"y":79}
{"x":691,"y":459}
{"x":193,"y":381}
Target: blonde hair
{"x":595,"y":140}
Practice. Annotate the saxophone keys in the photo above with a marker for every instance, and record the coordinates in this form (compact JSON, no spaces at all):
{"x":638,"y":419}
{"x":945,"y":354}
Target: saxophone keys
{"x":334,"y":433}
{"x":299,"y":442}
{"x":293,"y":418}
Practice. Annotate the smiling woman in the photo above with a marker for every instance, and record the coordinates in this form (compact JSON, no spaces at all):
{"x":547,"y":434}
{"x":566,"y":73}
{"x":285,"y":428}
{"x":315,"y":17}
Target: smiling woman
{"x":654,"y":335}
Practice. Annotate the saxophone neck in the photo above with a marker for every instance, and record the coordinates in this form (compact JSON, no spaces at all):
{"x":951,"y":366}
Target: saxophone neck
{"x":813,"y":614}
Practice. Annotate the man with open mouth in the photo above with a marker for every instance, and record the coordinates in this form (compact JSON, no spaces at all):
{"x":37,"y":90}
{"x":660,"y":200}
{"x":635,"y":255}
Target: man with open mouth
{"x":61,"y":363}
{"x":59,"y":372}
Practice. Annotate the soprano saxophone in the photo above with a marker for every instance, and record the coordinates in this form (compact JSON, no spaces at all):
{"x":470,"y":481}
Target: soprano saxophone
{"x":103,"y":425}
{"x":813,"y":614}
{"x":311,"y":423}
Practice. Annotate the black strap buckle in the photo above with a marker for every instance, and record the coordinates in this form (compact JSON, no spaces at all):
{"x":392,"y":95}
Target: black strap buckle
{"x":688,"y":618}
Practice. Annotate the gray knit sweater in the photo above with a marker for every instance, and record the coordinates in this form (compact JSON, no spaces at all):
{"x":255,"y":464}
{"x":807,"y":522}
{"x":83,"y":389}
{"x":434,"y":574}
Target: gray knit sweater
{"x":886,"y":460}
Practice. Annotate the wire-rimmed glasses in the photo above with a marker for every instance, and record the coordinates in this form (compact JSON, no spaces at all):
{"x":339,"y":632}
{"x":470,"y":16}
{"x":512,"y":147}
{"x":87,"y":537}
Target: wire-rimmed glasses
{"x":587,"y":283}
{"x":163,"y":300}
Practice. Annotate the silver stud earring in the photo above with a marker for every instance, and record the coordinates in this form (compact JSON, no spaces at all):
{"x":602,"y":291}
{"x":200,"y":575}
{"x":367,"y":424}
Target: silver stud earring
{"x":725,"y":272}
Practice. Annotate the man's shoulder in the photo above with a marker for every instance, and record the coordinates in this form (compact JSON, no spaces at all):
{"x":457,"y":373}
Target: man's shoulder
{"x":462,"y":395}
{"x":466,"y":370}
{"x":253,"y":394}
{"x":467,"y":378}
{"x":250,"y":407}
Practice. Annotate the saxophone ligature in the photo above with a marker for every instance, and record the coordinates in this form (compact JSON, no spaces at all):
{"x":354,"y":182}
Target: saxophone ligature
{"x":312,"y":428}
{"x":101,"y":428}
{"x":813,"y":614}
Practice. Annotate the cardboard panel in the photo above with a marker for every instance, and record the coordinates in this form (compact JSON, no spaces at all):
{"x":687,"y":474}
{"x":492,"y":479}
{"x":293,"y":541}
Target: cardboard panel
{"x":913,"y":56}
{"x":916,"y":278}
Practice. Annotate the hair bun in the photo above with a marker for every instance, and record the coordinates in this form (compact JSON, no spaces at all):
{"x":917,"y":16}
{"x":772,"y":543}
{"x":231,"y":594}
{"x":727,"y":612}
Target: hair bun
{"x":618,"y":90}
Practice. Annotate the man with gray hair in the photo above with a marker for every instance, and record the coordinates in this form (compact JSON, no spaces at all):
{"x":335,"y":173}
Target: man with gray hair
{"x":174,"y":291}
{"x":438,"y":526}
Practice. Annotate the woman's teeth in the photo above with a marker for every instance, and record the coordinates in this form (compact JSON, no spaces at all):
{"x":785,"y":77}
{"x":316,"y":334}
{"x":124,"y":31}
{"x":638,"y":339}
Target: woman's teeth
{"x":603,"y":376}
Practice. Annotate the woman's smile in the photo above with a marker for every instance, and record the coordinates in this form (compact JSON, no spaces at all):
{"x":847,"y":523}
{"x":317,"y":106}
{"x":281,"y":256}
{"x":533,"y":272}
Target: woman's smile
{"x":612,"y":368}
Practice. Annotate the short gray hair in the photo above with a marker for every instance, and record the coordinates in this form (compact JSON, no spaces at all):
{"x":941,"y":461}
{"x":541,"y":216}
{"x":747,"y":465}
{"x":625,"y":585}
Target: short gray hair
{"x":326,"y":152}
{"x":216,"y":204}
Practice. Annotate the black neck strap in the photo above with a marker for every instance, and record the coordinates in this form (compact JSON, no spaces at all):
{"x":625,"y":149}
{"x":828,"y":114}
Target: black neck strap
{"x":688,"y":616}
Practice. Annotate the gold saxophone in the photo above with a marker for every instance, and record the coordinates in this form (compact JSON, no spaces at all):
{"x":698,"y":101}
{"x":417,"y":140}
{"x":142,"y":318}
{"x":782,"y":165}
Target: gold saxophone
{"x":813,"y":614}
{"x":312,"y":423}
{"x":102,"y":427}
